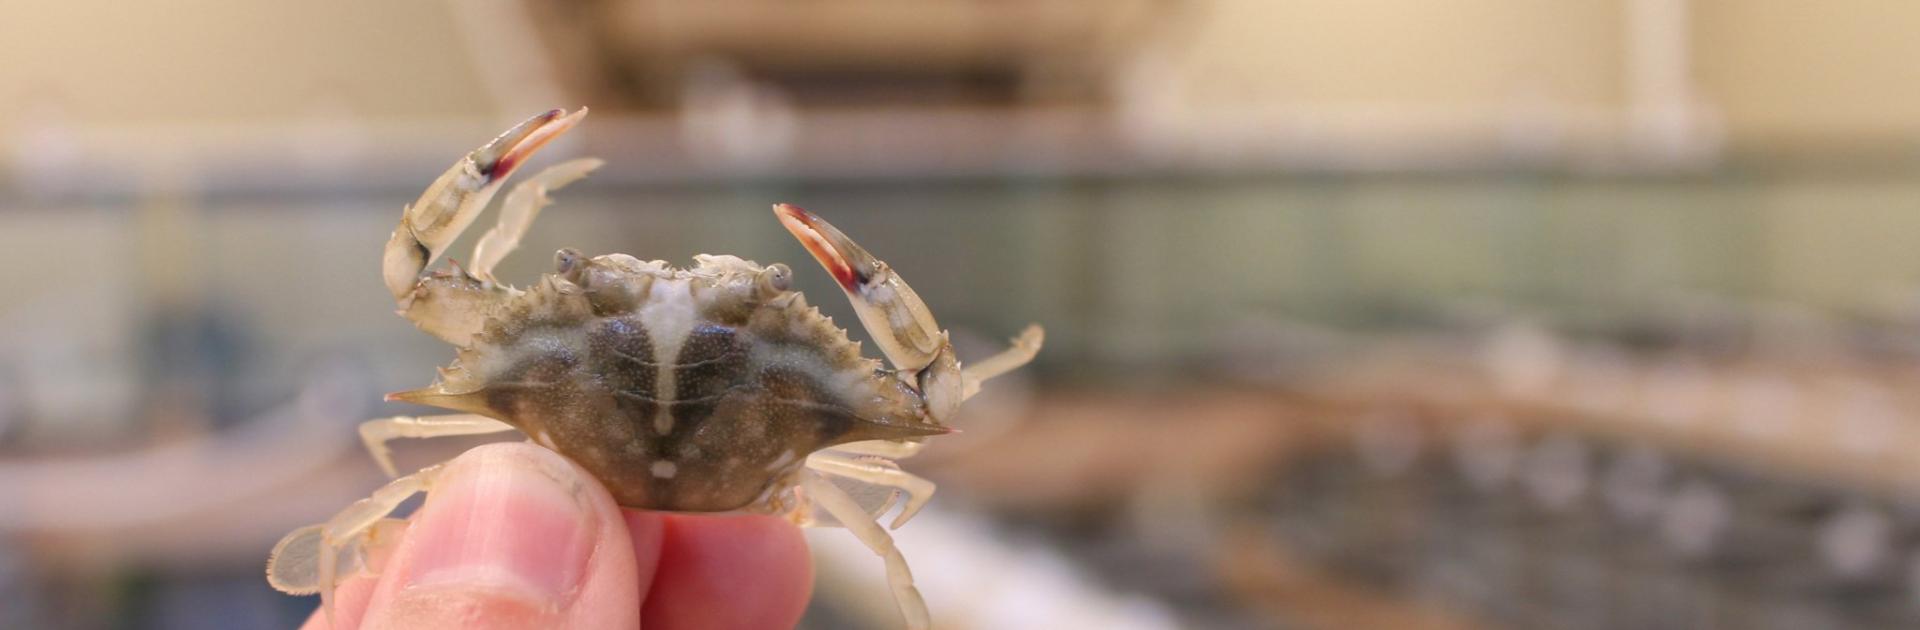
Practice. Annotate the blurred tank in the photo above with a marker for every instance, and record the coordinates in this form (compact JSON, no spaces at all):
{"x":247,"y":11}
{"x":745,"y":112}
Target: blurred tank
{"x":1397,"y":314}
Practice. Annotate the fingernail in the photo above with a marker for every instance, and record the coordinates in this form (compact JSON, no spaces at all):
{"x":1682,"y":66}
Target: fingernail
{"x":505,"y":524}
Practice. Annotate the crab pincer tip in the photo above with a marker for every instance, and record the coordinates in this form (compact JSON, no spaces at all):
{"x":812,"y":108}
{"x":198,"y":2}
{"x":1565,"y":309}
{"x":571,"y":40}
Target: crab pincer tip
{"x":827,"y":244}
{"x":519,"y":143}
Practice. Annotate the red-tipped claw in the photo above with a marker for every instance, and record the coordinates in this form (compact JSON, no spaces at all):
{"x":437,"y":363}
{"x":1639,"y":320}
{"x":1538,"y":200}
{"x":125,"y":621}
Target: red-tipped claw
{"x":890,"y":310}
{"x":448,"y":206}
{"x":849,"y":264}
{"x":507,"y":152}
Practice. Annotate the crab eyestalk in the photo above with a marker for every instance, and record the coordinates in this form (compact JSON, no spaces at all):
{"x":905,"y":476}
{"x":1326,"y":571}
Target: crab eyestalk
{"x":890,"y":310}
{"x":447,"y":207}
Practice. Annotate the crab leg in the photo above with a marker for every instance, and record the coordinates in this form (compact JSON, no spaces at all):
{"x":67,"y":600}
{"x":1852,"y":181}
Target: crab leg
{"x":848,"y":512}
{"x":448,"y":206}
{"x":972,"y":375}
{"x":899,"y":322}
{"x":523,"y":203}
{"x":294,"y":566}
{"x":891,"y":311}
{"x":309,"y":559}
{"x":376,"y":433}
{"x":879,"y":473}
{"x":1024,"y":347}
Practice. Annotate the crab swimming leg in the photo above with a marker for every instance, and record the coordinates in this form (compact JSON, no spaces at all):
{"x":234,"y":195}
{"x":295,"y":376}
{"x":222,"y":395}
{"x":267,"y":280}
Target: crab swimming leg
{"x":452,"y":306}
{"x":310,"y":559}
{"x":823,"y":493}
{"x":376,"y":433}
{"x":896,"y":317}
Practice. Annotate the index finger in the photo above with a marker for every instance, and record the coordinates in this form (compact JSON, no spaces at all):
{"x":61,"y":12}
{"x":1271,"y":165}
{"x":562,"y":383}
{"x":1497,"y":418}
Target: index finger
{"x":723,"y":572}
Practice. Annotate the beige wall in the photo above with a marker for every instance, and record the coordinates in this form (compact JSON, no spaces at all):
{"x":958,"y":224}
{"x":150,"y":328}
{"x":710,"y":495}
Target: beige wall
{"x":231,"y":61}
{"x":1786,"y":74}
{"x":1761,"y":75}
{"x":1372,"y":78}
{"x":1402,"y":53}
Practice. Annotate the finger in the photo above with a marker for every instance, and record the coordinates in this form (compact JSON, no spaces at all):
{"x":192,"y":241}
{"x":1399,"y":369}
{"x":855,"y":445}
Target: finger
{"x":645,"y":530}
{"x":726,"y":573}
{"x":349,"y":605}
{"x":512,"y":536}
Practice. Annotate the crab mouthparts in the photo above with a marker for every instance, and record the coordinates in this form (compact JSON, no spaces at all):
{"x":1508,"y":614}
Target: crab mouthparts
{"x":823,"y":241}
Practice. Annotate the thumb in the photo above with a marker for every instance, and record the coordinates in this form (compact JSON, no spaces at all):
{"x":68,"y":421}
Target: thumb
{"x":512,"y":536}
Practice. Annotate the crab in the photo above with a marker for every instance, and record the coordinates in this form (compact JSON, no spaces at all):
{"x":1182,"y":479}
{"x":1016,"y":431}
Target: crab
{"x":709,"y":389}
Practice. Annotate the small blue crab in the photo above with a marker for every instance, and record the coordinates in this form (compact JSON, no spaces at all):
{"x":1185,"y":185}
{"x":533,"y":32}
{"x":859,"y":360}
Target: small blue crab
{"x":709,"y":389}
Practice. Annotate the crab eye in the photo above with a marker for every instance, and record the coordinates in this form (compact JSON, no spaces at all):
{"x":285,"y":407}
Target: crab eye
{"x":776,"y":278}
{"x":566,"y":262}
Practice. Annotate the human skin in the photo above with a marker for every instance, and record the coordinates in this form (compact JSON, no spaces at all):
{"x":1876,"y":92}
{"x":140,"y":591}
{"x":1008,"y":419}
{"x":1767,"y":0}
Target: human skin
{"x":516,"y":536}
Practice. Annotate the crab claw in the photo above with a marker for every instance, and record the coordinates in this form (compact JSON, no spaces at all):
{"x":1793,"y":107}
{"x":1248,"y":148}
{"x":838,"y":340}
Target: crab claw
{"x":890,"y":310}
{"x":498,"y":158}
{"x":457,"y":197}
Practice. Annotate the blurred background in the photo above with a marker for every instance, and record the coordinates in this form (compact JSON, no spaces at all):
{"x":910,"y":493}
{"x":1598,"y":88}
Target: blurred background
{"x":1379,"y":314}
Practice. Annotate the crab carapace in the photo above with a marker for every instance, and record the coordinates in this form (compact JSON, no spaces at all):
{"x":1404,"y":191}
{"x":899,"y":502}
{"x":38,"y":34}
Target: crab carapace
{"x":714,"y":388}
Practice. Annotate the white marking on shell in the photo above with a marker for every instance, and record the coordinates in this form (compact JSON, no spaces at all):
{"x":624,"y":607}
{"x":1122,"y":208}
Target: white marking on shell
{"x":544,"y":439}
{"x":668,"y":316}
{"x":665,"y":469}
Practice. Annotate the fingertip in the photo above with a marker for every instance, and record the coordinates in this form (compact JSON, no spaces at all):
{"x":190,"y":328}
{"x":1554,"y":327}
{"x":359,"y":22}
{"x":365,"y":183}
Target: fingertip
{"x":728,"y":572}
{"x":646,"y":530}
{"x":349,"y":606}
{"x":512,"y":536}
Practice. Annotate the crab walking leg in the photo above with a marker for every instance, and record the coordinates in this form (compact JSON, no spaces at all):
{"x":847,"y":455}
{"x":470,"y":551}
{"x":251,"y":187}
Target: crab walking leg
{"x":523,"y":203}
{"x":454,"y":200}
{"x":845,"y":510}
{"x":308,"y":559}
{"x":1024,"y":348}
{"x":376,"y":433}
{"x":879,"y":473}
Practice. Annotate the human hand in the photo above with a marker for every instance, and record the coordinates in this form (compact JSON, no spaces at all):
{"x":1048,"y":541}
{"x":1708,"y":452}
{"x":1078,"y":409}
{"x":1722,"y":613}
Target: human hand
{"x":516,"y":536}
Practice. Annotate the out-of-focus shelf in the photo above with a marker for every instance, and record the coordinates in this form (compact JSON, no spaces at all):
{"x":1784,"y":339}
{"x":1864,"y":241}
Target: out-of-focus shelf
{"x":1849,"y":423}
